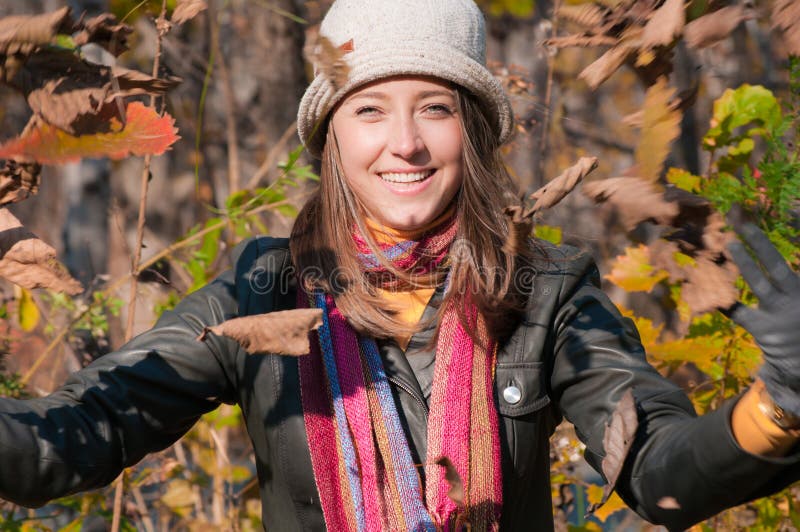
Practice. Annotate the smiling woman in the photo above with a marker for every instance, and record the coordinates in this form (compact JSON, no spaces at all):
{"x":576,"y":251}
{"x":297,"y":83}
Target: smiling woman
{"x":444,"y":359}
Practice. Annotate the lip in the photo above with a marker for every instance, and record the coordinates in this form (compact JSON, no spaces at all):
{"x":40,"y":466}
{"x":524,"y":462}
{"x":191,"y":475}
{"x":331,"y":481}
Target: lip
{"x":407,"y":190}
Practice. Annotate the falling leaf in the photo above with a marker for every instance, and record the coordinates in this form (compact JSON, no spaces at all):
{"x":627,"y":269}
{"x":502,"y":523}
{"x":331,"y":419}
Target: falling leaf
{"x":327,"y":58}
{"x":709,"y":285}
{"x":786,"y":16}
{"x":29,"y":262}
{"x":23,"y":33}
{"x":283,"y":333}
{"x":661,"y":124}
{"x":18,"y":181}
{"x":519,"y":229}
{"x":617,"y":441}
{"x":557,"y":188}
{"x":77,"y":96}
{"x":608,"y":63}
{"x":715,"y":26}
{"x":186,"y":10}
{"x":588,"y":16}
{"x":668,"y":503}
{"x":145,"y":133}
{"x":636,"y":200}
{"x":581,"y":41}
{"x":27,"y":312}
{"x":105,"y":31}
{"x":634,"y":272}
{"x":456,"y":492}
{"x":613,"y":505}
{"x":665,"y":25}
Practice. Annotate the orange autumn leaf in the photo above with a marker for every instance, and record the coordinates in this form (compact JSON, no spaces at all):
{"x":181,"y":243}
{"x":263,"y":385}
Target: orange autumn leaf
{"x":144,"y":133}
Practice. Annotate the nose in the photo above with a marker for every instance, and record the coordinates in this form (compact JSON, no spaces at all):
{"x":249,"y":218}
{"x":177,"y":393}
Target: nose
{"x":405,"y":140}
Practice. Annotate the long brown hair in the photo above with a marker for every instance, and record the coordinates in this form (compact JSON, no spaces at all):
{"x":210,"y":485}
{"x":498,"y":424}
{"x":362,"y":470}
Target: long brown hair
{"x":324,"y":253}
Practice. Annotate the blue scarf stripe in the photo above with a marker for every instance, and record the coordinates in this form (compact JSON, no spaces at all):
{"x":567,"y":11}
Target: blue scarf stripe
{"x":349,"y":451}
{"x":417,"y":517}
{"x":369,"y":260}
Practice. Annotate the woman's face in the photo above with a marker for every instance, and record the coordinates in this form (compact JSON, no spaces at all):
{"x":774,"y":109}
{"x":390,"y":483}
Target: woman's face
{"x":400,"y":147}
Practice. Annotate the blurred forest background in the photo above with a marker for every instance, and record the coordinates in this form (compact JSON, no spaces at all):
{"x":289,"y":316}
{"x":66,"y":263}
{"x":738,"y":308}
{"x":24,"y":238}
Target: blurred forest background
{"x":646,"y":110}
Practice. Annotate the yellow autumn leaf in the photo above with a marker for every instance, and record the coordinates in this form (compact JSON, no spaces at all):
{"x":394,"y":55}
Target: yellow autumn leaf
{"x":660,"y":126}
{"x":633,"y":271}
{"x":613,"y":504}
{"x":27,"y":311}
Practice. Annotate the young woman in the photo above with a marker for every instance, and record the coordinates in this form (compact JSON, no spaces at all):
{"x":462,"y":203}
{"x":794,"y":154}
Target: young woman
{"x":437,"y":346}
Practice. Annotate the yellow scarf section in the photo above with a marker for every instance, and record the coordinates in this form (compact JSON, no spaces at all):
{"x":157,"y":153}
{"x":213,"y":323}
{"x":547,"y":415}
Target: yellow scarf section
{"x":410,"y":305}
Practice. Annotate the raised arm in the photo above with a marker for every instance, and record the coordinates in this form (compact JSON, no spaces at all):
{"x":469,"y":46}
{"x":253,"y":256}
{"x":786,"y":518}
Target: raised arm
{"x":695,"y":461}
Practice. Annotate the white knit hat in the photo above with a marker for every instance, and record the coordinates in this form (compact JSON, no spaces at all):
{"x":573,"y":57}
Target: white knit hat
{"x":382,"y":38}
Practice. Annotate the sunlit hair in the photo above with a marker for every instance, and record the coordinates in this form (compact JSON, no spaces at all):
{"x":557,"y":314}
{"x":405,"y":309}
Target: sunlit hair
{"x":324,"y":252}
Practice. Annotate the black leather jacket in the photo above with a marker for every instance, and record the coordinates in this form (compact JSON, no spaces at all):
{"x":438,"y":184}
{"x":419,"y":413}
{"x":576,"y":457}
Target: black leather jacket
{"x":573,"y":356}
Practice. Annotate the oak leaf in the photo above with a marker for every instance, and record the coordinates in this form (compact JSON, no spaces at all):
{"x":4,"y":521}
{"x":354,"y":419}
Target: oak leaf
{"x":608,"y":63}
{"x":636,"y":200}
{"x":145,"y":133}
{"x":18,"y":180}
{"x":558,"y":187}
{"x":715,"y":26}
{"x":105,"y":31}
{"x":710,"y":284}
{"x":456,"y":492}
{"x":284,"y":332}
{"x":665,"y":24}
{"x":21,"y":34}
{"x":80,"y":97}
{"x":580,"y":40}
{"x":327,"y":58}
{"x":29,"y":262}
{"x":186,"y":10}
{"x":617,"y":441}
{"x":588,"y":16}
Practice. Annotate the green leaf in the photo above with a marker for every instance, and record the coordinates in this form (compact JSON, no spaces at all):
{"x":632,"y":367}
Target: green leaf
{"x":683,"y":179}
{"x":739,"y":107}
{"x":549,"y":233}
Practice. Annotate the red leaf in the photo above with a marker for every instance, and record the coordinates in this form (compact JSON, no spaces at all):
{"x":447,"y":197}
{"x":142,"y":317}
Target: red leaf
{"x":145,"y":133}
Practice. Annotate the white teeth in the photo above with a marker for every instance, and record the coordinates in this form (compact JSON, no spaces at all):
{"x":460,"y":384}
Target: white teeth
{"x":406,"y":177}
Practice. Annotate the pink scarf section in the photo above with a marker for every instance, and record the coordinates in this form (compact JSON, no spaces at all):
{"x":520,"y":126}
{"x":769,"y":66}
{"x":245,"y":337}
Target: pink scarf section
{"x":362,"y":464}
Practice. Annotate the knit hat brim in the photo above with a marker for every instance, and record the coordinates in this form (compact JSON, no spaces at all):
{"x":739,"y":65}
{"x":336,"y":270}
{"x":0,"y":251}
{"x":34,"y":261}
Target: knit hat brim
{"x":367,"y":66}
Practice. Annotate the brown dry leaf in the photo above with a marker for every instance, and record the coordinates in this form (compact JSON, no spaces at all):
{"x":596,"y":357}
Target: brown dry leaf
{"x":636,"y":200}
{"x":661,"y":124}
{"x":327,"y":58}
{"x":665,"y":25}
{"x":282,"y":333}
{"x":105,"y":31}
{"x":668,"y":503}
{"x":588,"y":16}
{"x":77,"y":96}
{"x":581,"y":40}
{"x":557,"y":188}
{"x":186,"y":10}
{"x":710,"y":285}
{"x":520,"y":224}
{"x":18,"y":180}
{"x":715,"y":26}
{"x":456,"y":492}
{"x":786,"y":16}
{"x":662,"y":257}
{"x":29,"y":262}
{"x":617,"y":441}
{"x":608,"y":63}
{"x":23,"y":33}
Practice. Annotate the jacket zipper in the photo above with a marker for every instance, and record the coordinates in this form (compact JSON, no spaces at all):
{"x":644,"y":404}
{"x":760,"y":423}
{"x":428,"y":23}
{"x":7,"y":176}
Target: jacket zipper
{"x":410,"y":392}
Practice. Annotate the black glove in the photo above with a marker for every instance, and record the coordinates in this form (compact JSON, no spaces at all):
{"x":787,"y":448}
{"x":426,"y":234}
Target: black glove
{"x":775,"y":324}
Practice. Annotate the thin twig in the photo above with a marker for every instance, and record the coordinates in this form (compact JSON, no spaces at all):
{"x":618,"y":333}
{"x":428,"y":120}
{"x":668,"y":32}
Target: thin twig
{"x":548,"y":94}
{"x":162,"y":28}
{"x":272,"y":155}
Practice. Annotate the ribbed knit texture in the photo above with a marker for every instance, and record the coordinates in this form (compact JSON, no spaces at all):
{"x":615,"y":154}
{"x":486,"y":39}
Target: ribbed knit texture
{"x":362,"y":463}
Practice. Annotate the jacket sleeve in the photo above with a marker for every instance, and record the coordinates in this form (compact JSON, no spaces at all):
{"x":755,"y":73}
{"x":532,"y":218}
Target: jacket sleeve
{"x":598,"y":356}
{"x":124,"y":405}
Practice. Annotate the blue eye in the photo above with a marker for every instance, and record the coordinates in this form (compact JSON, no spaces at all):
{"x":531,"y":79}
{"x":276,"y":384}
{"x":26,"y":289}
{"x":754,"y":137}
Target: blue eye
{"x":440,"y":109}
{"x":366,"y":110}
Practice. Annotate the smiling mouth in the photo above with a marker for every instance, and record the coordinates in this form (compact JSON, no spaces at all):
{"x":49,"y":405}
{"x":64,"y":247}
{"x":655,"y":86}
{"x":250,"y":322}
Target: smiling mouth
{"x":406,"y":177}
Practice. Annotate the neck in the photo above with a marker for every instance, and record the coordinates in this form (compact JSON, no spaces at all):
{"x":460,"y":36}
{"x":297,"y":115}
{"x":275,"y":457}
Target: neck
{"x":384,"y":234}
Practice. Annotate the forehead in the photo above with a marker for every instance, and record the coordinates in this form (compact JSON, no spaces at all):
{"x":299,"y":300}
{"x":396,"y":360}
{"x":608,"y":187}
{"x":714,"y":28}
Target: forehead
{"x":413,"y":86}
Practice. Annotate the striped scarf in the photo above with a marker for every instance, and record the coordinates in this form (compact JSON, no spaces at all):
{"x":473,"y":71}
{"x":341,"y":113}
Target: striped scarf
{"x":365,"y":475}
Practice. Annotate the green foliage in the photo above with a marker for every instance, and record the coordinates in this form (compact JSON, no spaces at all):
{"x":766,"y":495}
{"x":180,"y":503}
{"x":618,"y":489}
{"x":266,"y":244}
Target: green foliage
{"x":515,"y":8}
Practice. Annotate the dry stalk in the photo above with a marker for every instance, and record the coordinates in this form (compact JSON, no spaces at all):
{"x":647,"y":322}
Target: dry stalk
{"x":548,"y":96}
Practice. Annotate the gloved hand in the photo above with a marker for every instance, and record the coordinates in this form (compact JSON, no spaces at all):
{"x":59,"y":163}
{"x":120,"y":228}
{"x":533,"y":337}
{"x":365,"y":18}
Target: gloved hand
{"x":775,"y":323}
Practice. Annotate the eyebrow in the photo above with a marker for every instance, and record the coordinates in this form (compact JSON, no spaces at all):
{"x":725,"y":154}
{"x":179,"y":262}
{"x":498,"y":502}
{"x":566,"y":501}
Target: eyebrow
{"x":383,"y":96}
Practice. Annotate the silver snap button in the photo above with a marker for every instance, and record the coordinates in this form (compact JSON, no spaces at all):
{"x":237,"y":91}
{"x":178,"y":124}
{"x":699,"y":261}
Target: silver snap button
{"x":512,"y":395}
